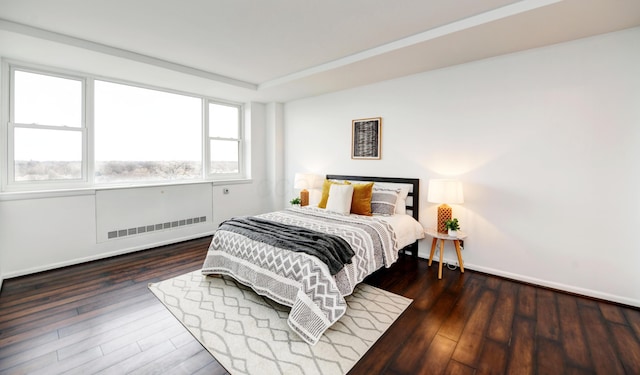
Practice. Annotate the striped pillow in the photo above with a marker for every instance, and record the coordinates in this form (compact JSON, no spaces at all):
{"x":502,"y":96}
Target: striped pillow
{"x":383,"y":201}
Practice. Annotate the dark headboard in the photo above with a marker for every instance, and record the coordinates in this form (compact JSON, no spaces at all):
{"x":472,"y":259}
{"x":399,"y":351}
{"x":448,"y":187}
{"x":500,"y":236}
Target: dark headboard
{"x":414,"y":192}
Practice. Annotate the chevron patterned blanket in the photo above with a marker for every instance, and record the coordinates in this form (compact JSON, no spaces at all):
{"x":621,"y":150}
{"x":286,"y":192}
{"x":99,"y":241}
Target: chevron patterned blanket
{"x":300,"y":280}
{"x":332,"y":250}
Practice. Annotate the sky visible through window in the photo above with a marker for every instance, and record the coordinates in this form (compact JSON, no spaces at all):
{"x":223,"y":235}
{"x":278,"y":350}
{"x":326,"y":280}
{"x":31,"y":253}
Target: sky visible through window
{"x":136,"y":124}
{"x":45,"y":100}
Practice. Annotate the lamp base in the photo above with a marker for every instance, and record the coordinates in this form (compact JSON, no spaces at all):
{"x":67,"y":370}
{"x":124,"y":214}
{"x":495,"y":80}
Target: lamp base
{"x":444,"y":214}
{"x":304,"y":197}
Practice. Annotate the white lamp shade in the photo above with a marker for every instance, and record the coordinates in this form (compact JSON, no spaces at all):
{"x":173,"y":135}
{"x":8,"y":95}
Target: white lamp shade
{"x":445,"y":191}
{"x":316,"y":181}
{"x":307,"y":181}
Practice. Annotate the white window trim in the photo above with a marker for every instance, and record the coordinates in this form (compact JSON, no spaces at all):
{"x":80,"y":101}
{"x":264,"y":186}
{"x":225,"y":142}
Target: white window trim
{"x":11,"y":165}
{"x":9,"y":176}
{"x":10,"y":187}
{"x":4,"y":121}
{"x":241,"y":142}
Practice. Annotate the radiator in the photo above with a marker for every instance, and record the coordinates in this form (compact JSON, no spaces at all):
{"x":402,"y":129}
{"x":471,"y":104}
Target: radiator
{"x":147,"y":210}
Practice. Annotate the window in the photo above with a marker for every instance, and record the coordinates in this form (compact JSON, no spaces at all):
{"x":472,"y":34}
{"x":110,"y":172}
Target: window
{"x":67,"y":130}
{"x":224,"y":138}
{"x":46,"y":154}
{"x":146,"y":135}
{"x":47,"y":128}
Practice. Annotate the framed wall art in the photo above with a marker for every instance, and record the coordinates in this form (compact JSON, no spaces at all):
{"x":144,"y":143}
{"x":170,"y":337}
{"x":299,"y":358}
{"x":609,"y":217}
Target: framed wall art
{"x":366,"y":138}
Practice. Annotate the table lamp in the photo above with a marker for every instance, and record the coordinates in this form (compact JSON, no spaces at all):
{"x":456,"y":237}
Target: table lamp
{"x":444,"y":191}
{"x":306,"y":181}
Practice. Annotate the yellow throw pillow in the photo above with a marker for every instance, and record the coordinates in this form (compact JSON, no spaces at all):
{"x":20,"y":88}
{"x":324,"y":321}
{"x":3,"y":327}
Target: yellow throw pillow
{"x":325,"y":191}
{"x":361,"y":201}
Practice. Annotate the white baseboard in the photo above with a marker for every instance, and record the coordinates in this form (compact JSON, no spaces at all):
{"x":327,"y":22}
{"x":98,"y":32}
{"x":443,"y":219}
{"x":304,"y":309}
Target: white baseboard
{"x":544,"y":283}
{"x":558,"y":286}
{"x":104,"y":255}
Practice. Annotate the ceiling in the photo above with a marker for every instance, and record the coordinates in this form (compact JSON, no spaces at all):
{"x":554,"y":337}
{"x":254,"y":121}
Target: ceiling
{"x":281,"y":50}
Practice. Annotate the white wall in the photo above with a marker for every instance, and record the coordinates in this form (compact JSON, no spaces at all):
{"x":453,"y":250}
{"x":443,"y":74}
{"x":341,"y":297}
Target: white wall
{"x":40,"y":233}
{"x":546,"y":142}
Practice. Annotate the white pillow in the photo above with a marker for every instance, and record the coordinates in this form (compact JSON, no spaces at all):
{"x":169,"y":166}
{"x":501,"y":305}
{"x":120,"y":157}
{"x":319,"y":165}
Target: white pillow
{"x":401,"y":205}
{"x":340,"y":198}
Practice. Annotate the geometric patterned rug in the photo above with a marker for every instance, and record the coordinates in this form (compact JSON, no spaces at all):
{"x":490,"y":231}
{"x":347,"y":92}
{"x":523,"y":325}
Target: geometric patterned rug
{"x":249,"y":334}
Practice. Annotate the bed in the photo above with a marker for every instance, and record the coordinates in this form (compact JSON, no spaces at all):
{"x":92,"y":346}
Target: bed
{"x":269,"y":252}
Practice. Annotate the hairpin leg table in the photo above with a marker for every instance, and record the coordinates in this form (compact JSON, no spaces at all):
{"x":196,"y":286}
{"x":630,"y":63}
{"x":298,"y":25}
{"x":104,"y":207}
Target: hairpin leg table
{"x":443,"y":237}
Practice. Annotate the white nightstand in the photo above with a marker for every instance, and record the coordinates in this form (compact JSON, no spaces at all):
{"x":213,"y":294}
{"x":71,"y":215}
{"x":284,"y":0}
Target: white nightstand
{"x":442,"y":237}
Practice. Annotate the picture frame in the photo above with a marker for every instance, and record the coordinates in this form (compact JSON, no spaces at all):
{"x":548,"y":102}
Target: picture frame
{"x":366,"y":138}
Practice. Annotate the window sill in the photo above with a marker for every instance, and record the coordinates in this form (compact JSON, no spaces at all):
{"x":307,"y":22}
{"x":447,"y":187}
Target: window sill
{"x":231,"y":182}
{"x":40,"y":194}
{"x":73,"y":192}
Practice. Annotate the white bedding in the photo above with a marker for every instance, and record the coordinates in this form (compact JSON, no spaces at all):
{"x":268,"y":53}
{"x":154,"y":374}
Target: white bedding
{"x":407,"y":229}
{"x":302,"y":281}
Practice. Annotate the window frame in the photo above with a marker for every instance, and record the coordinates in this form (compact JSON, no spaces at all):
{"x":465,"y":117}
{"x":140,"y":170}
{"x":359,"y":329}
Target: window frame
{"x":87,"y":181}
{"x":12,"y":125}
{"x":202,"y":99}
{"x":241,"y":141}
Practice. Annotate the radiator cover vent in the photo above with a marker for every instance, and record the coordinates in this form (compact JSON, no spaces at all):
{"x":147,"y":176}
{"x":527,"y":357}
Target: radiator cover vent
{"x":119,"y":233}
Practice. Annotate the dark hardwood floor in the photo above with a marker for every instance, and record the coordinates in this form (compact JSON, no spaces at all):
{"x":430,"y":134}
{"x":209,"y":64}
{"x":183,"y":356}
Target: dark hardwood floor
{"x":99,"y":317}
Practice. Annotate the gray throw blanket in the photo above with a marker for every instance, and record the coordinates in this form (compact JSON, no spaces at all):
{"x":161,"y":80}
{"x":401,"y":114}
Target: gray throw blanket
{"x":333,"y":250}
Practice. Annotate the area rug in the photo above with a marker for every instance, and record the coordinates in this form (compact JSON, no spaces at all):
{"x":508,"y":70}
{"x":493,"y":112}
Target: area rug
{"x":248,"y":333}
